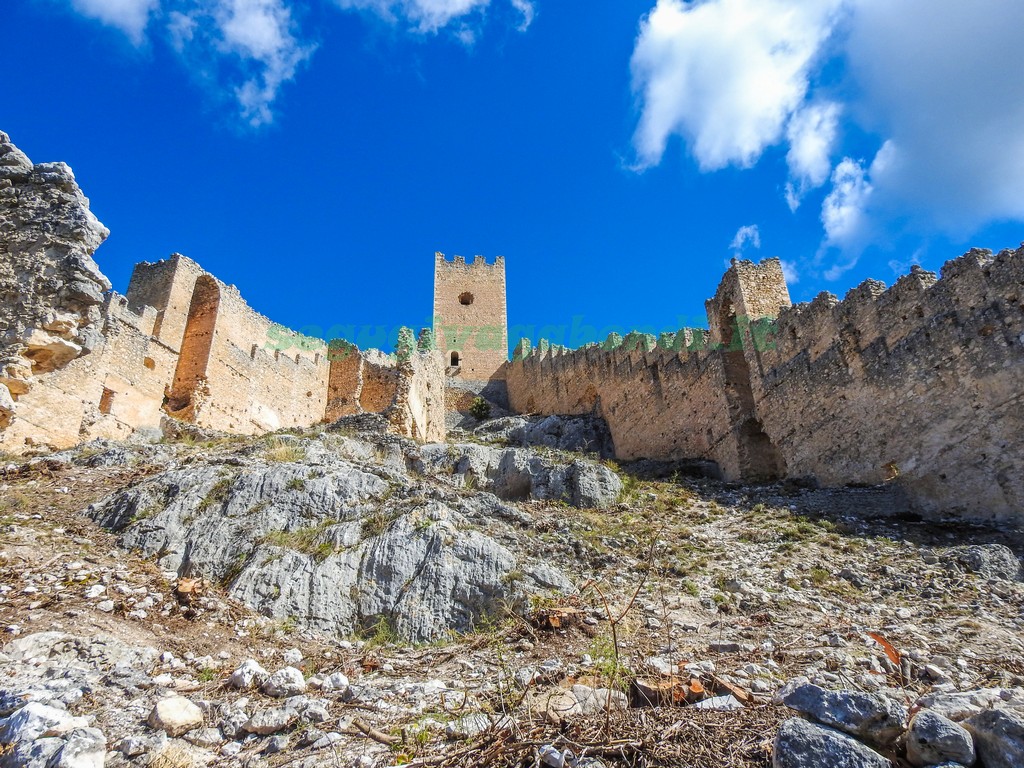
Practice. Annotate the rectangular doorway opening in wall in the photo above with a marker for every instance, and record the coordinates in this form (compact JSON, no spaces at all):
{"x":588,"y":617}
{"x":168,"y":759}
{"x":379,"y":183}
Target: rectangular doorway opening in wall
{"x":106,"y":400}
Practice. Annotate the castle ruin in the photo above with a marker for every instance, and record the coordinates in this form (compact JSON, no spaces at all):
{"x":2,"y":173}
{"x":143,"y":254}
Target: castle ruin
{"x":917,"y":385}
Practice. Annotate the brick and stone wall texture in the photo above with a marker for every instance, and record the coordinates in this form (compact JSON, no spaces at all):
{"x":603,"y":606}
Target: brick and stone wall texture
{"x":470,"y":318}
{"x":919,"y":385}
{"x":409,"y":392}
{"x":237,"y":371}
{"x":111,"y":392}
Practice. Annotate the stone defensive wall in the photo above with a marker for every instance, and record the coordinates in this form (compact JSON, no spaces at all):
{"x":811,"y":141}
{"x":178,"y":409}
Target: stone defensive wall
{"x":918,"y":385}
{"x":236,"y":370}
{"x":79,"y":361}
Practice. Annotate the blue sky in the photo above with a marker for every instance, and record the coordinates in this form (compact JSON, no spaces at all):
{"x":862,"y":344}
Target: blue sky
{"x":317,"y":152}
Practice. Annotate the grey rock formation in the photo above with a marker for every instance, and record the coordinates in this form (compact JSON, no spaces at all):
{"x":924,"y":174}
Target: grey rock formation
{"x":338,"y":544}
{"x":584,"y":434}
{"x":84,"y":748}
{"x":990,"y":561}
{"x":516,"y":474}
{"x":934,"y":739}
{"x":999,"y":737}
{"x":268,"y":721}
{"x":53,"y":291}
{"x":800,"y":744}
{"x":870,"y":716}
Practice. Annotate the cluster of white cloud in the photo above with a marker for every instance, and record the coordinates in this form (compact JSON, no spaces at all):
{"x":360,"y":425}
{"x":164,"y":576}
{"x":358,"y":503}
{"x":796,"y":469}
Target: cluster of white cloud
{"x":746,"y":235}
{"x":130,"y":16}
{"x":253,"y":47}
{"x":933,"y":81}
{"x":725,"y":74}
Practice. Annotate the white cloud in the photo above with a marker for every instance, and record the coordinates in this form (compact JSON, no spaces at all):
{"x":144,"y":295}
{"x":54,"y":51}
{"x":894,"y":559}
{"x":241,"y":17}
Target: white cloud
{"x":842,"y":213}
{"x":811,"y":133}
{"x":130,"y":16}
{"x":427,"y":16}
{"x":938,"y":81}
{"x":260,"y":33}
{"x":931,"y":85}
{"x":746,"y":235}
{"x":526,"y":9}
{"x":181,"y":29}
{"x":790,"y":272}
{"x":724,"y":74}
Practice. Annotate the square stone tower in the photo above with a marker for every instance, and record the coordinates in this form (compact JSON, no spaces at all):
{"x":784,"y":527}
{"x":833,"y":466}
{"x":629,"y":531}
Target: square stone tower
{"x":470,"y":321}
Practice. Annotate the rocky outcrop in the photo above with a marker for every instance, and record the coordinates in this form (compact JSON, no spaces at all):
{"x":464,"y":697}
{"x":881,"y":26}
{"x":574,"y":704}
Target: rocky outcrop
{"x":51,"y":291}
{"x":517,"y":474}
{"x":585,"y":434}
{"x":333,"y":533}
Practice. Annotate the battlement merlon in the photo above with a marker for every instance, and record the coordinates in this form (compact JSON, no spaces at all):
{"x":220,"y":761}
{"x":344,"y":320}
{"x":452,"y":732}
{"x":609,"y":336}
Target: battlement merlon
{"x":462,"y":263}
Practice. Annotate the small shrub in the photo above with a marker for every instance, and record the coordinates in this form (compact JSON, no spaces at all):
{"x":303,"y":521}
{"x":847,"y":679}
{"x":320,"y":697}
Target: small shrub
{"x":296,"y":484}
{"x":217,"y":494}
{"x":480,"y":409}
{"x":284,"y":451}
{"x":377,"y":522}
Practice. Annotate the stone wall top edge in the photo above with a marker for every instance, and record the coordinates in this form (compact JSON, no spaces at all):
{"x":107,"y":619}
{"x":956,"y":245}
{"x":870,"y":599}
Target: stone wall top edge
{"x":873,"y":307}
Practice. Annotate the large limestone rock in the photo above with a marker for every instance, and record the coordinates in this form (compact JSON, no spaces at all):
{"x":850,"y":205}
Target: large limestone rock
{"x":586,"y":434}
{"x":999,"y":737}
{"x":338,"y":544}
{"x":870,"y":716}
{"x":175,"y":715}
{"x":52,"y":289}
{"x":800,"y":744}
{"x":934,"y":739}
{"x":517,"y":474}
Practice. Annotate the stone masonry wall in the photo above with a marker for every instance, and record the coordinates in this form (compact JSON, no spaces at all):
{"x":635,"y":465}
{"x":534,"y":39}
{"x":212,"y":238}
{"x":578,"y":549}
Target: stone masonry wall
{"x":470,"y":319}
{"x":919,"y":385}
{"x":657,"y":402}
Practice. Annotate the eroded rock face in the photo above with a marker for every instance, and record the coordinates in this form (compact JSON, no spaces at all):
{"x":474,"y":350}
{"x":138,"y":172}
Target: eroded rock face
{"x":517,"y":474}
{"x":51,"y":289}
{"x":341,"y":540}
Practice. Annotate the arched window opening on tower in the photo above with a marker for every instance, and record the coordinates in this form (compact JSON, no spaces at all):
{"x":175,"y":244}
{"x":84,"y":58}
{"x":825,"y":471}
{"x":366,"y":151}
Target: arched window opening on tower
{"x":466,"y":298}
{"x":456,"y":359}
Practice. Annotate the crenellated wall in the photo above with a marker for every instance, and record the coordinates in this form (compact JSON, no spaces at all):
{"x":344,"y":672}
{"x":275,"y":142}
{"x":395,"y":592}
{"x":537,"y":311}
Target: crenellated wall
{"x":919,"y":385}
{"x":659,"y":402}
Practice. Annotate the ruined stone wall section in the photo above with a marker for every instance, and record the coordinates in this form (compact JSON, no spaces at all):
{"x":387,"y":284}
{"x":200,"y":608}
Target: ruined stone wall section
{"x":658,"y":403}
{"x":112,"y":392}
{"x":167,"y":286}
{"x":470,"y":317}
{"x":409,"y":392}
{"x":345,"y":381}
{"x":918,"y":385}
{"x":418,"y":410}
